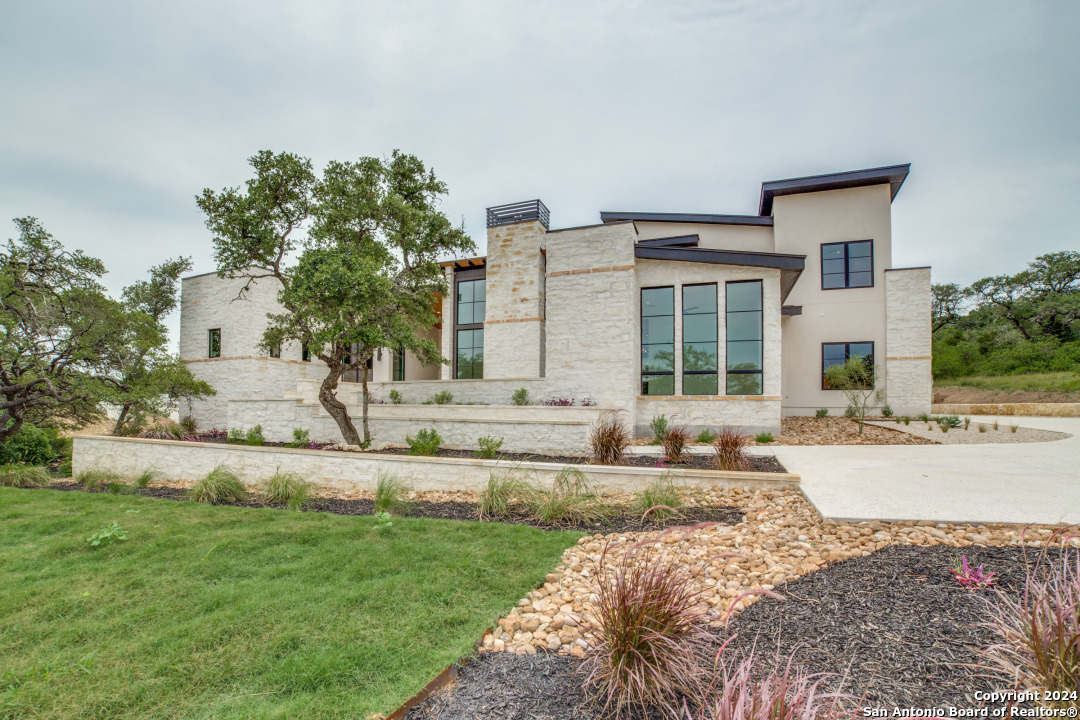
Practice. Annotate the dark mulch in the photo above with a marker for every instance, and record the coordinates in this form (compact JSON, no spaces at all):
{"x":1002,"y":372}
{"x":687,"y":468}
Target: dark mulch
{"x":625,"y":520}
{"x":895,"y":621}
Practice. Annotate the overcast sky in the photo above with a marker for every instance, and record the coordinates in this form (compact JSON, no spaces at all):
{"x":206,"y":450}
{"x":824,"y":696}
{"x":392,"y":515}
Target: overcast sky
{"x":113,"y":116}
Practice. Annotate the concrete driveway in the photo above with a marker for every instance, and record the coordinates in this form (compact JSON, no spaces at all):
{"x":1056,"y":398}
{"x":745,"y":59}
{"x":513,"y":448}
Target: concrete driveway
{"x":999,"y":483}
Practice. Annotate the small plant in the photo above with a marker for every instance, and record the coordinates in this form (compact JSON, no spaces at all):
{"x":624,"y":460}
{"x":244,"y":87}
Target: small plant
{"x":608,"y":438}
{"x":520,"y":397}
{"x":1012,"y":429}
{"x":676,"y":439}
{"x":395,"y":398}
{"x":659,"y":426}
{"x":163,"y":431}
{"x":997,"y":425}
{"x":924,"y":417}
{"x":112,"y":533}
{"x":764,"y":438}
{"x":426,"y":442}
{"x":948,"y":422}
{"x":300,"y":438}
{"x":504,"y":491}
{"x":286,"y":488}
{"x":967,"y":423}
{"x":147,"y":476}
{"x":971,"y":578}
{"x":821,"y":413}
{"x":706,"y":437}
{"x":850,"y":411}
{"x":189,"y":425}
{"x":92,"y":478}
{"x":220,"y":485}
{"x":118,"y":488}
{"x":254,"y":436}
{"x":440,"y":398}
{"x":236,"y":436}
{"x":907,"y":420}
{"x":16,"y":475}
{"x":571,"y":500}
{"x":489,"y":447}
{"x":982,"y":428}
{"x":659,"y":500}
{"x":391,"y":494}
{"x":383,"y":523}
{"x":886,"y":410}
{"x":559,"y":402}
{"x":588,"y":402}
{"x":729,"y":449}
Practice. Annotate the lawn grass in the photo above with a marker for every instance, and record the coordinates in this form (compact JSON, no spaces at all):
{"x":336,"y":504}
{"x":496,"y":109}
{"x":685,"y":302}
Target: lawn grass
{"x":226,"y":612}
{"x":1030,"y":382}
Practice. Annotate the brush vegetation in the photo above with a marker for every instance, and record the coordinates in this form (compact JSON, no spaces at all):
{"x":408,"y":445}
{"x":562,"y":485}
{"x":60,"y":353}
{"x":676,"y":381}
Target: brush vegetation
{"x":220,"y":485}
{"x":286,"y":488}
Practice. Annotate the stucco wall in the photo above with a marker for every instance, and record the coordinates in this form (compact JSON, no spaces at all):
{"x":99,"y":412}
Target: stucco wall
{"x":754,"y":238}
{"x":908,"y":340}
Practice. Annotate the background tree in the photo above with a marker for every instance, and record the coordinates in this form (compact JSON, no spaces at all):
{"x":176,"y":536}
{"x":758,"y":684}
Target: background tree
{"x":366,"y":274}
{"x":946,"y":304}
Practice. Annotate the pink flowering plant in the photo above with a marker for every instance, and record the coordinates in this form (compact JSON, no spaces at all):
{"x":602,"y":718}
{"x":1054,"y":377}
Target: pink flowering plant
{"x":972,"y":578}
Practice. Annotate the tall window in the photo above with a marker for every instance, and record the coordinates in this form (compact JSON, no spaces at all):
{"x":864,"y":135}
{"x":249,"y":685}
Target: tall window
{"x":305,"y":353}
{"x":214,"y":343}
{"x":699,"y":339}
{"x":275,"y":352}
{"x":847,"y":265}
{"x":399,"y":363}
{"x":658,"y":341}
{"x":839,"y":353}
{"x":469,"y":327}
{"x":744,"y":338}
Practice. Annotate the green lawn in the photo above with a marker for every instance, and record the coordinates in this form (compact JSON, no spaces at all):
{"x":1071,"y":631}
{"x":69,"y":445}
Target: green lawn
{"x":1031,"y":382}
{"x":223,"y":612}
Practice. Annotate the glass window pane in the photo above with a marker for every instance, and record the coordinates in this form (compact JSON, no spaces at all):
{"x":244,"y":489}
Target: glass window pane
{"x":833,"y":351}
{"x":744,"y":326}
{"x":744,"y":355}
{"x":699,"y":299}
{"x":478,"y":339}
{"x":860,"y":264}
{"x":658,"y":357}
{"x":478,"y":311}
{"x":658,"y":385}
{"x":859,"y":249}
{"x":479,"y":290}
{"x":465,"y":292}
{"x":657,"y":301}
{"x":699,"y":384}
{"x":865,"y":350}
{"x":832,"y":266}
{"x":830,"y":282}
{"x":744,"y":384}
{"x":657,"y":330}
{"x":831,"y":252}
{"x":860,"y":279}
{"x":699,"y":356}
{"x":743,"y":296}
{"x":464,"y":313}
{"x":699,"y":328}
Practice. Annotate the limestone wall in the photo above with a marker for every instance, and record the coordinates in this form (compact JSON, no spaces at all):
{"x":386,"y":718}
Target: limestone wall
{"x":514,"y":323}
{"x":909,"y":381}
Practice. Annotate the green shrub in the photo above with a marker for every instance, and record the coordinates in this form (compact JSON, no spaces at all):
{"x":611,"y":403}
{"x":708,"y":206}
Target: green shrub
{"x":92,"y":478}
{"x":924,"y":417}
{"x":571,"y":500}
{"x":489,"y":447}
{"x":426,"y":442}
{"x":821,"y":413}
{"x":286,"y":488}
{"x":189,"y":425}
{"x":300,"y":438}
{"x":167,"y":430}
{"x":706,"y":437}
{"x":850,"y":411}
{"x":663,"y":495}
{"x":254,"y":436}
{"x":110,"y":534}
{"x":391,"y":494}
{"x":520,"y":397}
{"x":764,"y":438}
{"x":395,"y":398}
{"x":982,"y":428}
{"x":504,"y":491}
{"x":31,"y":446}
{"x":441,"y":398}
{"x":17,"y":475}
{"x":967,"y":423}
{"x":383,"y":523}
{"x":659,"y":426}
{"x":147,"y":476}
{"x":220,"y":485}
{"x":236,"y":436}
{"x":887,"y":411}
{"x":950,"y":421}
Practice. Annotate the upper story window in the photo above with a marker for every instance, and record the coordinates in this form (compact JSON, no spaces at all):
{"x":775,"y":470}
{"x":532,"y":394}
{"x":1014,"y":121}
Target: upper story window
{"x":699,"y":339}
{"x":838,"y":353}
{"x":213,"y":343}
{"x":658,"y":341}
{"x":744,"y":337}
{"x":847,"y":265}
{"x":469,"y":325}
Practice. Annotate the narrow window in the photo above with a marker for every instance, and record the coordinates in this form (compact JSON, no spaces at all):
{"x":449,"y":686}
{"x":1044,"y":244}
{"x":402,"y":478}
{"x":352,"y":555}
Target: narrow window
{"x":847,"y":265}
{"x":744,"y":338}
{"x":399,"y":363}
{"x":275,"y":352}
{"x":838,"y":353}
{"x":469,"y":327}
{"x":699,"y":339}
{"x":658,"y":341}
{"x":305,"y":353}
{"x":214,"y":343}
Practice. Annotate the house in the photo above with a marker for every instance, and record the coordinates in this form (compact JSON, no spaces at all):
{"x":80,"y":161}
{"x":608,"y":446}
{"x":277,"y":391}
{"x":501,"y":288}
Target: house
{"x":714,"y":319}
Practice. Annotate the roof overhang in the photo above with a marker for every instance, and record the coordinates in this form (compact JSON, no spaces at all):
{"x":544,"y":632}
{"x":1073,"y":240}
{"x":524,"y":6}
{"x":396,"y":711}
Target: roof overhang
{"x":894,"y":175}
{"x":464,"y":263}
{"x":704,"y":219}
{"x":790,"y":266}
{"x":677,"y":241}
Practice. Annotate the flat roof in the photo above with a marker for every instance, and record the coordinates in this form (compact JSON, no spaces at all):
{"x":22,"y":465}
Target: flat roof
{"x":464,"y":262}
{"x":610,"y":216}
{"x":892,"y":174}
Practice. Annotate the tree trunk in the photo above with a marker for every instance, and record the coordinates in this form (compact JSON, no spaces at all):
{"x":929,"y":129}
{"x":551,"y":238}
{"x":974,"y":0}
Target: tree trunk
{"x":336,"y":408}
{"x":120,"y":420}
{"x":367,"y":430}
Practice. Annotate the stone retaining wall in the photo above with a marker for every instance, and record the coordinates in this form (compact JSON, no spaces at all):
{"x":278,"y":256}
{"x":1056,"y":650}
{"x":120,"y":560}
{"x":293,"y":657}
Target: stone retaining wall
{"x":1044,"y":409}
{"x":190,"y":461}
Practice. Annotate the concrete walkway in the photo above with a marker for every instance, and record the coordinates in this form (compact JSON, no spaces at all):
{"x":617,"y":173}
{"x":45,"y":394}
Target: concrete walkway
{"x":1000,"y":483}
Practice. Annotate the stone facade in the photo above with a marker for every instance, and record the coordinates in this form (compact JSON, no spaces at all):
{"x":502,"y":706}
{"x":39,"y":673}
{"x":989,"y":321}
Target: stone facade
{"x":514,"y":325}
{"x":909,"y":380}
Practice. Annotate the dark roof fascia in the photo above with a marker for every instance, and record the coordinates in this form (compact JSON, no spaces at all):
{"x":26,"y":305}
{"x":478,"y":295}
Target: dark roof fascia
{"x":917,"y":267}
{"x":586,"y":227}
{"x":791,"y":310}
{"x":892,"y":174}
{"x":677,"y":241}
{"x":687,"y":218}
{"x":722,"y":257}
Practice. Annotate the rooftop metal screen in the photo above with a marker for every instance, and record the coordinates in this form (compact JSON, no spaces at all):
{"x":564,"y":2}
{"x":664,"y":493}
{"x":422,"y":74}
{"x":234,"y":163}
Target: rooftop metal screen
{"x":518,"y":212}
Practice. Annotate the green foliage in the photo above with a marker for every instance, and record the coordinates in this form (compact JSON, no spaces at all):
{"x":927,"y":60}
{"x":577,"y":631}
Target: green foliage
{"x":426,"y":442}
{"x":1064,"y":382}
{"x":92,"y":478}
{"x":489,"y":447}
{"x":949,"y":421}
{"x":571,"y":500}
{"x":166,"y":430}
{"x":236,"y":436}
{"x":286,"y":488}
{"x":300,"y":438}
{"x":967,"y":423}
{"x":664,"y":495}
{"x":886,"y":411}
{"x":855,"y":378}
{"x":850,"y":411}
{"x":520,"y":397}
{"x":23,"y":476}
{"x":147,"y":476}
{"x":189,"y":425}
{"x":383,"y":523}
{"x":505,"y":490}
{"x":444,"y":397}
{"x":706,"y":436}
{"x":659,"y":426}
{"x":391,"y":495}
{"x":821,"y":413}
{"x":110,"y":534}
{"x":30,"y":445}
{"x":220,"y":485}
{"x":254,"y":436}
{"x":924,"y":417}
{"x":764,"y":438}
{"x":395,"y":398}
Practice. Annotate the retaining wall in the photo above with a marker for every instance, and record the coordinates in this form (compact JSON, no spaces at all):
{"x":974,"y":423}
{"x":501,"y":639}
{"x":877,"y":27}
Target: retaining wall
{"x":1045,"y":409}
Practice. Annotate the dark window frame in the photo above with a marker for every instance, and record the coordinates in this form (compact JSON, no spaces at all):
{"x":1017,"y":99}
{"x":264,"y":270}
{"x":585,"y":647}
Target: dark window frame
{"x":305,"y":353}
{"x":728,"y":341}
{"x":210,"y":343}
{"x":716,"y":320}
{"x":641,"y":340}
{"x":460,"y":276}
{"x":275,"y":352}
{"x":847,"y":270}
{"x":847,"y":354}
{"x":397,"y":372}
